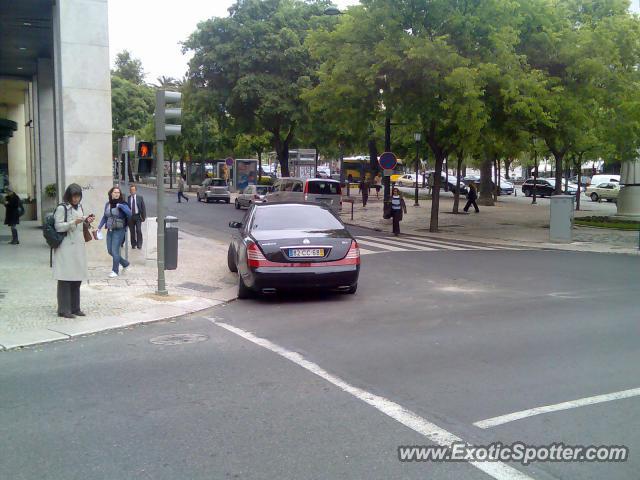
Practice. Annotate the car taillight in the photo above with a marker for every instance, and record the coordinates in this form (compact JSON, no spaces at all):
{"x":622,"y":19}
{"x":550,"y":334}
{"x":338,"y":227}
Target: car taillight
{"x":255,"y":258}
{"x":352,"y":257}
{"x":306,"y":189}
{"x":256,"y":197}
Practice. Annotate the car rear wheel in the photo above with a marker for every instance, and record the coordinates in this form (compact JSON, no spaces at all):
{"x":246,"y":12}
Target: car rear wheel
{"x":231,"y":260}
{"x":228,"y":201}
{"x":527,"y":192}
{"x":594,"y":197}
{"x":237,"y":204}
{"x":244,"y":292}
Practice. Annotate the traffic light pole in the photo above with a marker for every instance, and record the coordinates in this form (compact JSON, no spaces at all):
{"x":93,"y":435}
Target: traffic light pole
{"x":162,"y":289}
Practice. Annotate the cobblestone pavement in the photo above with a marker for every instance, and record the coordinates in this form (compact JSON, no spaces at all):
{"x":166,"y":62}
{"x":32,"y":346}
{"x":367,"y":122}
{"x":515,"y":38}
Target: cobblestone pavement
{"x":28,"y":291}
{"x":512,"y":219}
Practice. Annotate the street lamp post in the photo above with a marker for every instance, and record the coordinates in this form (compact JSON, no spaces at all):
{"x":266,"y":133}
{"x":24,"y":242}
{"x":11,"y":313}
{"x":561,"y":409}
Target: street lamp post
{"x":535,"y":177}
{"x":417,"y":137}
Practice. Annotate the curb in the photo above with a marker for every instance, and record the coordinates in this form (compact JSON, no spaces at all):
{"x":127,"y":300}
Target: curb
{"x":70,"y":330}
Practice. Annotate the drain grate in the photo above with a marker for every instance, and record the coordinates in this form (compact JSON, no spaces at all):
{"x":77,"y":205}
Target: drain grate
{"x":179,"y":339}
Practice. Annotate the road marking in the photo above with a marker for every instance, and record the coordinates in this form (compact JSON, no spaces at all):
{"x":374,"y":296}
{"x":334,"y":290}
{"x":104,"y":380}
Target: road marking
{"x":582,"y":402}
{"x":436,"y":434}
{"x":364,"y":251}
{"x":376,"y":241}
{"x":385,"y":240}
{"x":390,"y":248}
{"x":461,"y":243}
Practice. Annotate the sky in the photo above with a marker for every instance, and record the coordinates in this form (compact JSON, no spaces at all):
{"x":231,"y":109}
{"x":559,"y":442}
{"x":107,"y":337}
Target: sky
{"x":133,"y":25}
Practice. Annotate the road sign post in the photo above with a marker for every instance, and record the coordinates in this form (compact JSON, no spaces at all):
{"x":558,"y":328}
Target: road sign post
{"x":387,"y":162}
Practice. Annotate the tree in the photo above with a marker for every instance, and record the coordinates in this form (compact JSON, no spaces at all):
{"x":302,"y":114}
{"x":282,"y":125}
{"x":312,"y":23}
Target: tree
{"x":129,"y":68}
{"x":254,"y":65}
{"x":132,"y":107}
{"x":167,"y":82}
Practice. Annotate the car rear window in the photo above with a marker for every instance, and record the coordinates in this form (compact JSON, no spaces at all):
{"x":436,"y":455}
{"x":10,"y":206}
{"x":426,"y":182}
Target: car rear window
{"x":218,"y":182}
{"x":263,"y":190}
{"x":294,"y":217}
{"x":323,"y":188}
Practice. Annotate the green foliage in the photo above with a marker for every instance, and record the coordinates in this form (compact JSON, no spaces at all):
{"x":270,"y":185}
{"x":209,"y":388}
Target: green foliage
{"x":132,"y":108}
{"x":128,"y":68}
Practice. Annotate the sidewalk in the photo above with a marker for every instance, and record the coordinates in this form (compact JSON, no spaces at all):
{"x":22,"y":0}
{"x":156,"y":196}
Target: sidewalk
{"x":28,"y":292}
{"x":512,"y":221}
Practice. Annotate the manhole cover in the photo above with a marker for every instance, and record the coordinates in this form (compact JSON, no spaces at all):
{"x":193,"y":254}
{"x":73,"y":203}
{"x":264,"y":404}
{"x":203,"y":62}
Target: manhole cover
{"x":179,"y":339}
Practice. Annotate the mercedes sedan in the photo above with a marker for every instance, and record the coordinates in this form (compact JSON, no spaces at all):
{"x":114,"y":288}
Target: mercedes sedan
{"x":292,"y":246}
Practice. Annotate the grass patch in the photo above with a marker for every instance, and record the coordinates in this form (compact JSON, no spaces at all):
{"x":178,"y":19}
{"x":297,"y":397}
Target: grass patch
{"x":607,"y":222}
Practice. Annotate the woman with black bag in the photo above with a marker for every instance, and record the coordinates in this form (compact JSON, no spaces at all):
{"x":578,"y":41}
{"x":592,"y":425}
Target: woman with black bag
{"x":70,"y":258}
{"x":115,"y":219}
{"x":14,"y":209}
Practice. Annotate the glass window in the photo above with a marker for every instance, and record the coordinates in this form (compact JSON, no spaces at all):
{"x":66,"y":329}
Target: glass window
{"x":294,"y":217}
{"x":323,"y":188}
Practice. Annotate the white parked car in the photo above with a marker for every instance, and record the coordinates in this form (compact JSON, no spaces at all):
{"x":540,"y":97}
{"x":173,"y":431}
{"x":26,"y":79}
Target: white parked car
{"x":608,"y":191}
{"x":252,"y":194}
{"x":409,"y":180}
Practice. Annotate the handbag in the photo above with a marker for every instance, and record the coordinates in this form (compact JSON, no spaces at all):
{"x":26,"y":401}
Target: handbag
{"x":86,"y":232}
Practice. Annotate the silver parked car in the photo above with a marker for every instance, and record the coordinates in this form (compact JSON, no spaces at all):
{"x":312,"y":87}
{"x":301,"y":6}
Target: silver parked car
{"x":214,"y":189}
{"x":252,"y":194}
{"x":316,"y":190}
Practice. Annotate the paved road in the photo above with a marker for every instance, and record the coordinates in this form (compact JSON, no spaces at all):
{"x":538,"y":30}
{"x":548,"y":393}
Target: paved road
{"x":455,"y":336}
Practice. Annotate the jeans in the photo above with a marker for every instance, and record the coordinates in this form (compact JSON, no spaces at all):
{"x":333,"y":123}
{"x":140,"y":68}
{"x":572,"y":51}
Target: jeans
{"x":181,"y":194}
{"x":115,"y":238}
{"x":469,"y":203}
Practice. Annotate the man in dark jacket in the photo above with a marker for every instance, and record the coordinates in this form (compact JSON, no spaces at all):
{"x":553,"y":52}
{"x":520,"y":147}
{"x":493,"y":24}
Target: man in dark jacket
{"x":138,"y":215}
{"x":472,"y":196}
{"x":14,"y":207}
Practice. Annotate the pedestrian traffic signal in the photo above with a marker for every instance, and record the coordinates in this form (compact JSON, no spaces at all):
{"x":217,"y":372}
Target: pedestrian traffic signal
{"x":145,"y":150}
{"x":164,"y":130}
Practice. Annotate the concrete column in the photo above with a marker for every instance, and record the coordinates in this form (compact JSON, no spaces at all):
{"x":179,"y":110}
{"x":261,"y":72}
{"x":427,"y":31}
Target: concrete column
{"x":45,"y":129}
{"x":17,"y":150}
{"x":629,"y":197}
{"x":83,"y":98}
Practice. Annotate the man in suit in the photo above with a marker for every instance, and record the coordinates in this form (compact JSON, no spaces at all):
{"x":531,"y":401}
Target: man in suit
{"x":138,"y":215}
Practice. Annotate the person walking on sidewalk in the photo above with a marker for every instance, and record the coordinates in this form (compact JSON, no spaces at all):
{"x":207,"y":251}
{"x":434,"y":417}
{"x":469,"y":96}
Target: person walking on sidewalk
{"x":377,"y":183}
{"x":138,"y":215}
{"x":70,"y":258}
{"x":472,"y":196}
{"x":181,"y":194}
{"x":364,"y":189}
{"x":14,"y":210}
{"x":115,"y":217}
{"x":397,"y":208}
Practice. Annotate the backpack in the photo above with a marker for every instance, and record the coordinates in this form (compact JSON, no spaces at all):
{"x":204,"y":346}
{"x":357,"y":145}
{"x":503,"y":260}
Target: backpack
{"x":53,"y":237}
{"x":20,"y":208}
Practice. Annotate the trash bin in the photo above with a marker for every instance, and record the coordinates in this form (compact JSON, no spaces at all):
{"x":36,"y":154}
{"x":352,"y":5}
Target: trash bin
{"x":561,"y":218}
{"x":170,"y":243}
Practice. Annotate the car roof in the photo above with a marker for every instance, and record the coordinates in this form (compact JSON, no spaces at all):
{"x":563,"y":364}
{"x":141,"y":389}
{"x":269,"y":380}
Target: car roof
{"x":291,"y":204}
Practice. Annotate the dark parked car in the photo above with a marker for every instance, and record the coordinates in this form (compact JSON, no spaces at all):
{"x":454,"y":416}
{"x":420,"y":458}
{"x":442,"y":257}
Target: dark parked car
{"x":543,"y":187}
{"x":291,"y":246}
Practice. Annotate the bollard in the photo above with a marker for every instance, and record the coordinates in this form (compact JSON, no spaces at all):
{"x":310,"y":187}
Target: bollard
{"x":170,"y":243}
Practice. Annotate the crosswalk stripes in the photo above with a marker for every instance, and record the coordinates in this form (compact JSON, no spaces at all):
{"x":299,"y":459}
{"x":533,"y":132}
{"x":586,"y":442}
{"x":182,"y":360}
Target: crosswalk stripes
{"x":372,"y":244}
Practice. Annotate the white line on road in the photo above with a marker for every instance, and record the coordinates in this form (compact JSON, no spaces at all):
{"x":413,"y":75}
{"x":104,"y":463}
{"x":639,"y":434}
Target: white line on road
{"x":382,"y":242}
{"x":582,"y":402}
{"x":390,"y":248}
{"x":440,"y":436}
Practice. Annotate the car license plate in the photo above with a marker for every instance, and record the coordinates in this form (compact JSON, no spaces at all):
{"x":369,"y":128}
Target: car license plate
{"x":306,"y":252}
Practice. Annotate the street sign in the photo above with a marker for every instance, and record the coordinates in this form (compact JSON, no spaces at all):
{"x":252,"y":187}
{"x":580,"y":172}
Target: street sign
{"x":388,"y":161}
{"x":387,"y":173}
{"x":229,"y":162}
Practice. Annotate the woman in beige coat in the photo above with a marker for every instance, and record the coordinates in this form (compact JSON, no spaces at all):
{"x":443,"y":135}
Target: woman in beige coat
{"x":70,"y":258}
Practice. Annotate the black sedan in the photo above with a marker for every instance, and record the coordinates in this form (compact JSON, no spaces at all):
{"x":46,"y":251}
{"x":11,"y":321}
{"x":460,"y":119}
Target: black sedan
{"x":291,"y":246}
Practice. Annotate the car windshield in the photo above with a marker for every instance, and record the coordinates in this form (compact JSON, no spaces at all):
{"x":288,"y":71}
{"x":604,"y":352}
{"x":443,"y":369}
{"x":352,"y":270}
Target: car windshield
{"x":294,"y":217}
{"x":263,"y":190}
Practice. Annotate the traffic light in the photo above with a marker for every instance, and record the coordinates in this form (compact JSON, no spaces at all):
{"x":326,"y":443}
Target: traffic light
{"x":163,"y":99}
{"x":145,"y":150}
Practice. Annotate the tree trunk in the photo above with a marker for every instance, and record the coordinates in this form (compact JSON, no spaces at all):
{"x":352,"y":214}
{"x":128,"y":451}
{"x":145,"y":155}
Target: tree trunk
{"x":495,"y":179}
{"x":259,"y":152}
{"x":435,"y":194}
{"x":559,"y":156}
{"x":507,"y":166}
{"x":486,"y":191}
{"x":456,"y":195}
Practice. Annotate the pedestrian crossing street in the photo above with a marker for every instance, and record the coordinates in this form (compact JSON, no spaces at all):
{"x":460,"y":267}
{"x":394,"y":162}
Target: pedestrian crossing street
{"x":412,"y":243}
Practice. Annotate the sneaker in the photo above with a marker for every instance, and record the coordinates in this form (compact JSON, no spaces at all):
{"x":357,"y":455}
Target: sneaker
{"x":127,"y":269}
{"x":113,"y":275}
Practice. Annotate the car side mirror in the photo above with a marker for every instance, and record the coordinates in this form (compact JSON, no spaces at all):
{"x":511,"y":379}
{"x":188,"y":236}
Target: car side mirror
{"x":235,"y":225}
